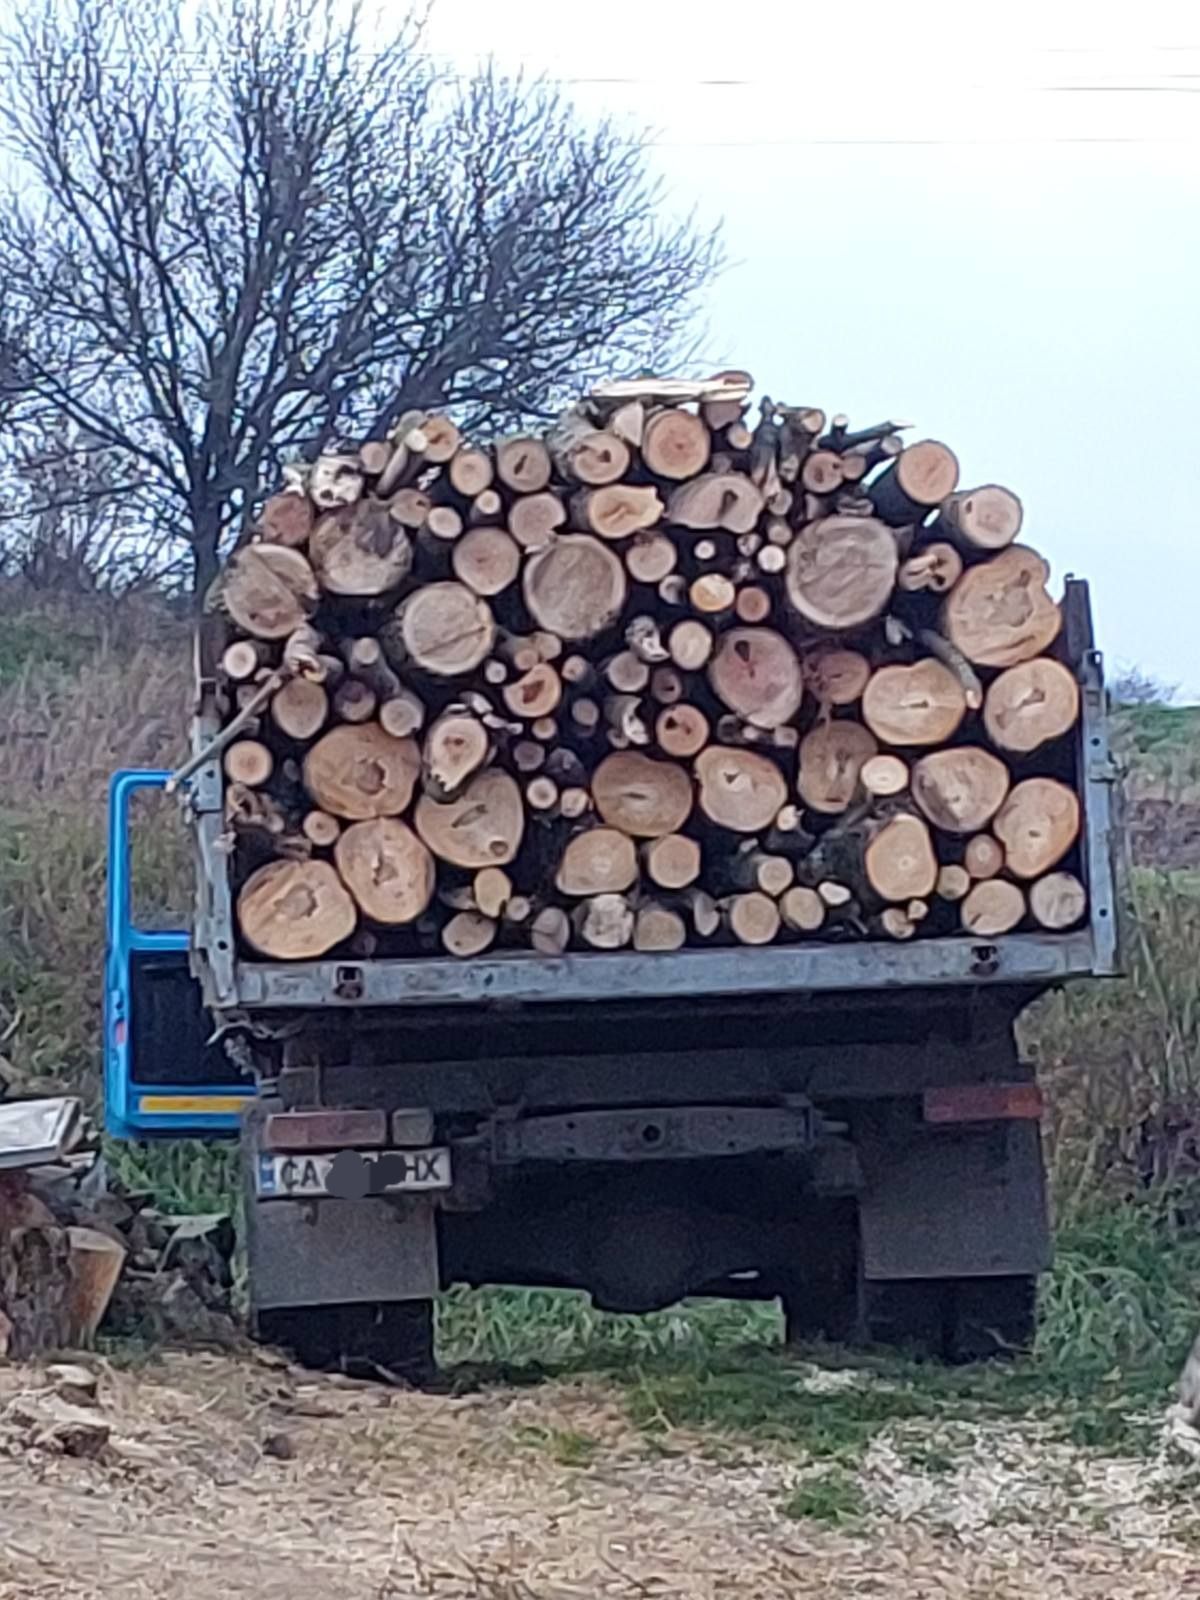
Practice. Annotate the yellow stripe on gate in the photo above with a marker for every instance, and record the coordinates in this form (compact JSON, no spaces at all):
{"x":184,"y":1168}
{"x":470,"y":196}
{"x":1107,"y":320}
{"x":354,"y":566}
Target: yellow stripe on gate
{"x":189,"y":1105}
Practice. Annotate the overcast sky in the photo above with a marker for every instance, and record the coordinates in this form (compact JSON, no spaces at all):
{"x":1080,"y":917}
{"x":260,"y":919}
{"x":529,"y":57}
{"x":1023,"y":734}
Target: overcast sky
{"x":983,"y":219}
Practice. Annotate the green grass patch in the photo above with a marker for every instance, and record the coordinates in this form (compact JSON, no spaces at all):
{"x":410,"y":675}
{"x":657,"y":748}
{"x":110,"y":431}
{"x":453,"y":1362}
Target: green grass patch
{"x":833,"y":1497}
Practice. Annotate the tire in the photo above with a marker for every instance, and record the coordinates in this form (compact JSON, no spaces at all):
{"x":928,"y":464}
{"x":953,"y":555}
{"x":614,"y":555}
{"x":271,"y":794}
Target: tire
{"x":822,"y":1294}
{"x":955,"y":1319}
{"x":392,"y":1338}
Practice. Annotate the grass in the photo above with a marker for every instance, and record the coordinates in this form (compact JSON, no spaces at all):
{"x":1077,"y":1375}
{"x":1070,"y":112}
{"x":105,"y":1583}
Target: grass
{"x":834,"y":1498}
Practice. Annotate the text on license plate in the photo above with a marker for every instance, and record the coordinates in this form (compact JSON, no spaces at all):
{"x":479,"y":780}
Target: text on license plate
{"x":351,"y":1174}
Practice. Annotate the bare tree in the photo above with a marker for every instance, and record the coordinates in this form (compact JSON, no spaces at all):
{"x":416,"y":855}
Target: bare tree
{"x":238,"y":232}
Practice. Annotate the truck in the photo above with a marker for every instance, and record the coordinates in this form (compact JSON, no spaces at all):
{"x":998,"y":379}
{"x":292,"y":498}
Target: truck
{"x":848,"y":1128}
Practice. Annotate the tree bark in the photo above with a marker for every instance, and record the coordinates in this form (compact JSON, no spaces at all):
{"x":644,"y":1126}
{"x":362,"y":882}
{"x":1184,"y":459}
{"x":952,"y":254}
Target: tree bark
{"x":919,"y":478}
{"x":295,"y":910}
{"x":386,"y":868}
{"x":362,"y":772}
{"x":841,"y":571}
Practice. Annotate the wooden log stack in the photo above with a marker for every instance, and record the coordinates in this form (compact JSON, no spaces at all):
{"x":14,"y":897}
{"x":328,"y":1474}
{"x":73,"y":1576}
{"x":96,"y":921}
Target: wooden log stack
{"x":667,"y":674}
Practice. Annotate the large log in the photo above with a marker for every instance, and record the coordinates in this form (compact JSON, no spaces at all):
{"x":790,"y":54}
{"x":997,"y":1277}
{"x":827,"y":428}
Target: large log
{"x":960,"y":789}
{"x":269,"y":590}
{"x":286,"y":519}
{"x":1037,"y":825}
{"x":642,"y":796}
{"x":443,"y":629}
{"x":618,"y":510}
{"x":999,"y":613}
{"x":757,"y":674}
{"x":487,"y":560}
{"x":831,"y":758}
{"x":480,"y":827}
{"x":675,"y":444}
{"x":726,"y":500}
{"x":918,"y":705}
{"x":574,"y":587}
{"x":988,"y":518}
{"x":295,"y":910}
{"x":360,"y":550}
{"x":739,"y":789}
{"x":899,"y":860}
{"x":841,"y":571}
{"x":597,"y":861}
{"x":836,"y":677}
{"x":920,"y":478}
{"x":386,"y":868}
{"x":992,"y":907}
{"x":359,"y":772}
{"x":1030,"y":704}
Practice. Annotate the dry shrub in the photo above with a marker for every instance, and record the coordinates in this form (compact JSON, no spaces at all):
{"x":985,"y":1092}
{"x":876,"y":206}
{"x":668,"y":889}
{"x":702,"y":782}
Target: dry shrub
{"x":98,"y":685}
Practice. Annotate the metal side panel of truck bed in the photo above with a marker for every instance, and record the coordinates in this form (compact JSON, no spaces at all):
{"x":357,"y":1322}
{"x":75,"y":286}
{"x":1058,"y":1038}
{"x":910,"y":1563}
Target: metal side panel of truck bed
{"x":232,"y":983}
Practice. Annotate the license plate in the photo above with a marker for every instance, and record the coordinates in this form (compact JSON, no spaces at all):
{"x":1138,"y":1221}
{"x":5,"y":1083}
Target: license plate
{"x":358,"y":1172}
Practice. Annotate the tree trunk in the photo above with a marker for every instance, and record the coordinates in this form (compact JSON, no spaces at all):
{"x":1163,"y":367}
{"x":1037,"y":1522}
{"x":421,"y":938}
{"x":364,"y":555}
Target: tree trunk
{"x":295,"y":910}
{"x":387,"y":869}
{"x":841,"y":571}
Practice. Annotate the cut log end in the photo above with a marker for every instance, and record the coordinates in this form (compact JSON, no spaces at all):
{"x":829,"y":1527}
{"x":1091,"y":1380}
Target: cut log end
{"x":739,"y":789}
{"x":992,"y":907}
{"x":753,"y":918}
{"x":1037,"y":825}
{"x":1030,"y":704}
{"x":1058,"y":901}
{"x":386,"y":868}
{"x":295,"y":910}
{"x":468,"y":933}
{"x":831,"y":761}
{"x":676,"y":444}
{"x":918,"y":705}
{"x":841,"y":571}
{"x":960,"y":789}
{"x":900,"y":861}
{"x":642,"y":796}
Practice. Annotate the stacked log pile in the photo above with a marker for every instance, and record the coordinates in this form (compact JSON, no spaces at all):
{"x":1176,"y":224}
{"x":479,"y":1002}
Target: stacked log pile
{"x":665,"y":674}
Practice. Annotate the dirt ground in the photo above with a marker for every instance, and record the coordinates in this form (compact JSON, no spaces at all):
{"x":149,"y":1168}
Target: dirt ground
{"x":207,"y":1477}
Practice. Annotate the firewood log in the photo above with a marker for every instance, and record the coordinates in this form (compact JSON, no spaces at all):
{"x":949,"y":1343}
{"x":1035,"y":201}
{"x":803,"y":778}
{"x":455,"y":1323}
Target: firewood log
{"x":248,"y":761}
{"x":354,"y":701}
{"x":961,"y":789}
{"x":650,"y":558}
{"x":487,"y":560}
{"x":243,"y":658}
{"x":456,"y":747}
{"x":895,"y":923}
{"x":360,"y":772}
{"x":468,"y":933}
{"x":286,"y":519}
{"x":999,"y":613}
{"x":681,"y":730}
{"x":1030,"y":704}
{"x":753,"y":917}
{"x":618,"y":510}
{"x":918,"y":705}
{"x":658,"y":927}
{"x":717,"y":500}
{"x":410,"y":508}
{"x":402,"y":714}
{"x":992,"y":907}
{"x":321,"y":829}
{"x":574,"y":587}
{"x":884,"y":776}
{"x":1037,"y":824}
{"x":486,"y":508}
{"x":482,"y":826}
{"x":597,"y":861}
{"x":300,"y":709}
{"x":835,"y":677}
{"x":691,"y":644}
{"x":269,"y":590}
{"x":533,"y":519}
{"x":541,"y":793}
{"x":493,"y":891}
{"x":672,"y":861}
{"x":841,"y":571}
{"x":535,"y":694}
{"x":757,"y":674}
{"x":523,"y":464}
{"x":953,"y":882}
{"x":801,"y":909}
{"x":334,"y":481}
{"x":604,"y":922}
{"x":739,"y":789}
{"x":983,"y":856}
{"x":641,"y":795}
{"x":831,"y":759}
{"x":899,"y":859}
{"x":360,"y":550}
{"x":627,"y":672}
{"x":675,"y":444}
{"x":920,"y":478}
{"x":988,"y":518}
{"x":386,"y":868}
{"x":295,"y":910}
{"x":442,"y":439}
{"x":550,"y":933}
{"x":1058,"y":901}
{"x":936,"y":567}
{"x":442,"y":629}
{"x":470,"y":471}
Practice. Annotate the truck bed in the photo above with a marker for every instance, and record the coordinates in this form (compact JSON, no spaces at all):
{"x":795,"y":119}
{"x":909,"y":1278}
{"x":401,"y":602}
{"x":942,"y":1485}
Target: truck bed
{"x":1029,"y":960}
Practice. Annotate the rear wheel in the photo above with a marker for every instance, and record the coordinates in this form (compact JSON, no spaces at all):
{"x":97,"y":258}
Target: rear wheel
{"x":391,"y":1338}
{"x":954,"y":1319}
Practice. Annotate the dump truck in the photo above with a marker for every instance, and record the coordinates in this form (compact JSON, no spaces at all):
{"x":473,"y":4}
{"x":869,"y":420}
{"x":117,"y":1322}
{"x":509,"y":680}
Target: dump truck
{"x":848,"y":1127}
